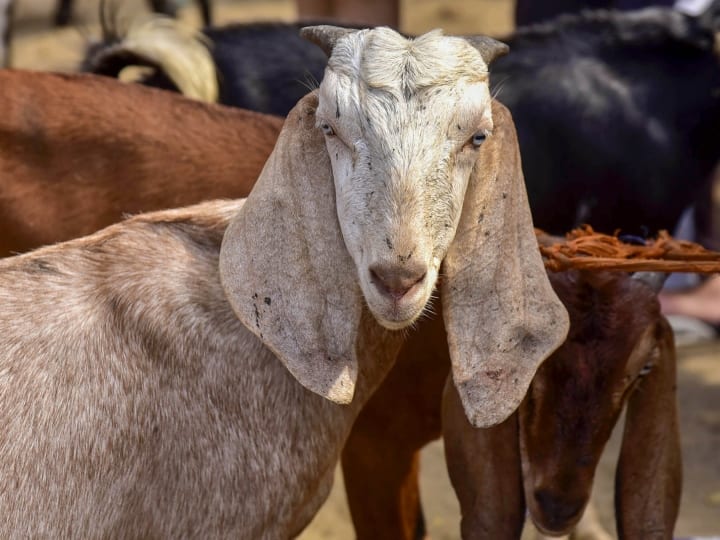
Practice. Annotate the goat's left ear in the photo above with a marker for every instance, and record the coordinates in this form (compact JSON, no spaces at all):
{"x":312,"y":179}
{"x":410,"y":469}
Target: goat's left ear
{"x":285,"y":268}
{"x":502,"y":316}
{"x":489,"y":48}
{"x":650,"y":452}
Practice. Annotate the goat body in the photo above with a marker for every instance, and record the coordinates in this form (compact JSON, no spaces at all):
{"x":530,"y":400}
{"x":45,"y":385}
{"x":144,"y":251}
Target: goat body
{"x":134,"y":400}
{"x":616,"y":115}
{"x":77,"y":152}
{"x":582,"y":90}
{"x":528,"y":12}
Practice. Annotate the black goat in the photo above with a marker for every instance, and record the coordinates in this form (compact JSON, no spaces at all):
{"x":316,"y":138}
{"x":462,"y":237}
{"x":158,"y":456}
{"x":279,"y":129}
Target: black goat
{"x":617,"y":116}
{"x":532,"y":12}
{"x":617,"y":113}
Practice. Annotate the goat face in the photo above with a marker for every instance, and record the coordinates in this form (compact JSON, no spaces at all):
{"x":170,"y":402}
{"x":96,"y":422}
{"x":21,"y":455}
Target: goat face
{"x":403,"y":120}
{"x":578,"y":393}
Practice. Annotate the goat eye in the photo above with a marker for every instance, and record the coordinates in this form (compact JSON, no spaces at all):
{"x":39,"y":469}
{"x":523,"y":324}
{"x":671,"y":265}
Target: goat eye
{"x":327,"y":129}
{"x":478,"y":138}
{"x":647,"y":368}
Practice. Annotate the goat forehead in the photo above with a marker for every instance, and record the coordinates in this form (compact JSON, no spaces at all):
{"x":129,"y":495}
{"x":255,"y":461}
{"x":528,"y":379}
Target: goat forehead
{"x":382,"y":58}
{"x":379,"y":85}
{"x":392,"y":123}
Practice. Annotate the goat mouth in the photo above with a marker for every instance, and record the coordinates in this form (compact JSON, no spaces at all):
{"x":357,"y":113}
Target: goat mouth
{"x":394,"y":318}
{"x":396,"y":324}
{"x":556,"y":525}
{"x":397,"y":316}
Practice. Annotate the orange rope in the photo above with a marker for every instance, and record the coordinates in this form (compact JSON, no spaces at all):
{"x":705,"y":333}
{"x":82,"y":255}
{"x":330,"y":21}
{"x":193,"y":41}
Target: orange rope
{"x":585,"y":249}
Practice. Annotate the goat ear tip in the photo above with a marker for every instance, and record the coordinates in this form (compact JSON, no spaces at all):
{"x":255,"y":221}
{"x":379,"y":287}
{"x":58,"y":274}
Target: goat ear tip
{"x":341,"y":398}
{"x":483,"y":419}
{"x":343,"y":391}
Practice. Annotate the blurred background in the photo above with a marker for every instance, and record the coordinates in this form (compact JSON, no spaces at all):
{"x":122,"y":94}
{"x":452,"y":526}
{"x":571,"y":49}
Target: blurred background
{"x":38,"y":45}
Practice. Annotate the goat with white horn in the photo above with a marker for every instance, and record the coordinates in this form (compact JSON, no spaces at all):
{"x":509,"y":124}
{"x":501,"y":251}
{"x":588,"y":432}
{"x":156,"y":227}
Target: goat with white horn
{"x":149,"y":374}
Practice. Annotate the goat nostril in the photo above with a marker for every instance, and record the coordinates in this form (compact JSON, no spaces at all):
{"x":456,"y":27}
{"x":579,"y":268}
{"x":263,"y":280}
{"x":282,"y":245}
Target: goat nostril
{"x":396,"y":282}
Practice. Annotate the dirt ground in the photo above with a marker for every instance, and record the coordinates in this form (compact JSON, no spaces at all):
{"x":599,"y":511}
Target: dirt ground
{"x":37,"y":46}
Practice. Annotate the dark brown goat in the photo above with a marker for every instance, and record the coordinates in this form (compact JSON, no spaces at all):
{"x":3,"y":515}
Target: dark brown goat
{"x":619,"y":352}
{"x":77,"y":152}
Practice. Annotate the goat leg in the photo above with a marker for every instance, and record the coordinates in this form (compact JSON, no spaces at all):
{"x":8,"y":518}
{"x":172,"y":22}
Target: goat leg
{"x":166,"y":7}
{"x":63,"y":14}
{"x":381,"y":457}
{"x":484,"y":468}
{"x":381,"y":481}
{"x":206,"y":11}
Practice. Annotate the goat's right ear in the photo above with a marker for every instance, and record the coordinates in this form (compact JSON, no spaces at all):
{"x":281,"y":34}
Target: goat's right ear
{"x":501,"y":314}
{"x":285,"y":268}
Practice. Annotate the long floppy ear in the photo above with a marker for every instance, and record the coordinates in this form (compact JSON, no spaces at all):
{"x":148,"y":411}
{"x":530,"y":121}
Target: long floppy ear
{"x":502,"y":316}
{"x":285,"y":268}
{"x":650,"y":452}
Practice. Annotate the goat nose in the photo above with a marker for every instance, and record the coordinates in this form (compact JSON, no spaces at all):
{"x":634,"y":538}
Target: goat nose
{"x":557,"y":509}
{"x":396,"y":281}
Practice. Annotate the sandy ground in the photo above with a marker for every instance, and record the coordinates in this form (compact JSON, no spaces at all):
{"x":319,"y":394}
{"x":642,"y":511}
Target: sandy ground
{"x":37,"y":46}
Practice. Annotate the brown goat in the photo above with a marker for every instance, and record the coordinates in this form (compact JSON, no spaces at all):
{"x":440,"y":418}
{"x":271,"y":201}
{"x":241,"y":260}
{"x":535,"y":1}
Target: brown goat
{"x":77,"y":152}
{"x":619,"y":352}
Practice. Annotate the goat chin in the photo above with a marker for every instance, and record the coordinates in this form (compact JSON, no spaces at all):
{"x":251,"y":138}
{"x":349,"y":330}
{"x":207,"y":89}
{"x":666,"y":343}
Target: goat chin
{"x":396,"y":314}
{"x":563,"y":530}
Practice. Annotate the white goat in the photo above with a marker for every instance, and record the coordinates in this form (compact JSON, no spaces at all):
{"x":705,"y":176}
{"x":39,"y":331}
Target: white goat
{"x":135,"y":402}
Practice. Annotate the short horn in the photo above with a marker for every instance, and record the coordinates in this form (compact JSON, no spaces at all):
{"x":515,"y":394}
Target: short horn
{"x":325,"y":36}
{"x":489,"y":48}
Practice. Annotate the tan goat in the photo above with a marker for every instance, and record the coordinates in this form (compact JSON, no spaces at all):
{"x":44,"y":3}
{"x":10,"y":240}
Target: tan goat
{"x":136,"y":401}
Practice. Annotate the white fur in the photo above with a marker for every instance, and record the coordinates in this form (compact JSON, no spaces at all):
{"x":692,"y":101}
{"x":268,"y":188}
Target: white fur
{"x":402,"y":112}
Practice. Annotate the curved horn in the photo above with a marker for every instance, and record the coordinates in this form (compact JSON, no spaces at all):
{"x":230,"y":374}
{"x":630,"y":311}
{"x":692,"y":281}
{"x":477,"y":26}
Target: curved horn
{"x":325,"y":36}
